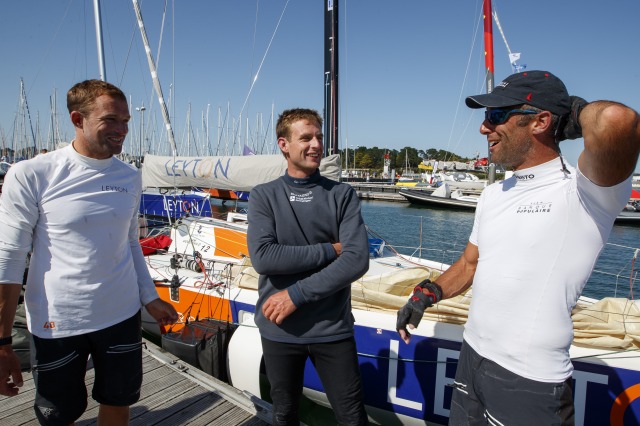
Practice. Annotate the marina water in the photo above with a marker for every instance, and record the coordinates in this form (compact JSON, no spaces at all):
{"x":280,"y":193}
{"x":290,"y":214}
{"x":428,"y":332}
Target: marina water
{"x":445,"y":233}
{"x":442,"y":234}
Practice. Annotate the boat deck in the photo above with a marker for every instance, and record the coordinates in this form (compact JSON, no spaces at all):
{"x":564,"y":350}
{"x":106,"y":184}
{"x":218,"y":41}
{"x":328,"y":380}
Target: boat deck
{"x":173,"y":393}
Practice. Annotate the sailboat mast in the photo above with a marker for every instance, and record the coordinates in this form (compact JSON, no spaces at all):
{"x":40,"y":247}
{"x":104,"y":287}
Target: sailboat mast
{"x":488,"y":44}
{"x":25,"y":108}
{"x":98,"y":18}
{"x":156,"y":80}
{"x":489,"y":71}
{"x":331,"y":77}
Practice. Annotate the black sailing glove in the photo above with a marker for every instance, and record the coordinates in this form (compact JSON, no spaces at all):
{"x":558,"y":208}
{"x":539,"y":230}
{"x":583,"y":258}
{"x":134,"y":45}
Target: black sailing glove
{"x":425,"y":294}
{"x":569,"y":125}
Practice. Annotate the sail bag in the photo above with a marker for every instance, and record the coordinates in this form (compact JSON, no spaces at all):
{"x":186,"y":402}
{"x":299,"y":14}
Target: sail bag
{"x":203,"y":344}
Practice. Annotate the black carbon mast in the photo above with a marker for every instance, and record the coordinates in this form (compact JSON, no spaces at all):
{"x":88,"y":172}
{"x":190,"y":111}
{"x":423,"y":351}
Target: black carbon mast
{"x":331,"y":77}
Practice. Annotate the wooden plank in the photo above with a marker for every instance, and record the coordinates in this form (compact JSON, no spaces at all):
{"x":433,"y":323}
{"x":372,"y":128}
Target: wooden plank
{"x":19,"y":403}
{"x":227,"y":417}
{"x":172,"y":393}
{"x":259,"y":409}
{"x":203,"y":411}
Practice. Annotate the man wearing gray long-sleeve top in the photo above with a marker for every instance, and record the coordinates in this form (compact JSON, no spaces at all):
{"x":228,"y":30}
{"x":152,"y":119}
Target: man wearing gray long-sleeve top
{"x":308,"y":242}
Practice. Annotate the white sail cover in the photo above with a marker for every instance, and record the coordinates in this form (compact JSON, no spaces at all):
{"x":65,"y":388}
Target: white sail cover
{"x":237,"y":173}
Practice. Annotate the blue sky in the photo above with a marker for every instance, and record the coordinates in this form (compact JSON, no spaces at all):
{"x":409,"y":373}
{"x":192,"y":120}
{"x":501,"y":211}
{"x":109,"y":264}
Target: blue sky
{"x":405,"y":66}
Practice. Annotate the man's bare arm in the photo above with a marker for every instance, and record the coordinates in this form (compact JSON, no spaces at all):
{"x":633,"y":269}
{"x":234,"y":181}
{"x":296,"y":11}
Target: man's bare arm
{"x":611,"y":133}
{"x":459,"y":276}
{"x":452,"y":282}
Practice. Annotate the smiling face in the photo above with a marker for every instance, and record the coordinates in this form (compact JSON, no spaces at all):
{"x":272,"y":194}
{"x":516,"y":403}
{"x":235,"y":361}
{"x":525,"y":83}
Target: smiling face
{"x":510,"y":142}
{"x":100,"y":134}
{"x":303,"y":148}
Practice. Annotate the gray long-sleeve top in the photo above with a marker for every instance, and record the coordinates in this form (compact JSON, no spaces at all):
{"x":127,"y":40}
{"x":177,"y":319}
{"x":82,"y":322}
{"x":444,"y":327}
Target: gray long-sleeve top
{"x":292,"y":224}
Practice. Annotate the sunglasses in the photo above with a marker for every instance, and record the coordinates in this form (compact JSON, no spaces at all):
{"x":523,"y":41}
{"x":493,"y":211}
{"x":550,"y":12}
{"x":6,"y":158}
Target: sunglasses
{"x":498,"y":116}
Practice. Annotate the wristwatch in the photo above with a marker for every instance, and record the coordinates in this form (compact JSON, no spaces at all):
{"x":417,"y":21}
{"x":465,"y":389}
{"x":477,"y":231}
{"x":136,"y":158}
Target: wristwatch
{"x":6,"y":341}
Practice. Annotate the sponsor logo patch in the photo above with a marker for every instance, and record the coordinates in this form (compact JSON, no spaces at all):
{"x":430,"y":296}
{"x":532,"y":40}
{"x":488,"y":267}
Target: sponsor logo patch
{"x":301,"y":198}
{"x":536,"y":207}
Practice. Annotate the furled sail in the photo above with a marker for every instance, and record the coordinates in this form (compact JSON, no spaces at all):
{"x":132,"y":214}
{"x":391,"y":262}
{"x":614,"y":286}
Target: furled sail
{"x":238,"y":173}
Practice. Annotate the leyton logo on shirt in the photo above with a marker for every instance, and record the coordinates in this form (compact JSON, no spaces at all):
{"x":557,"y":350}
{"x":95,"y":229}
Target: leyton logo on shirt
{"x":537,"y":207}
{"x":301,"y":198}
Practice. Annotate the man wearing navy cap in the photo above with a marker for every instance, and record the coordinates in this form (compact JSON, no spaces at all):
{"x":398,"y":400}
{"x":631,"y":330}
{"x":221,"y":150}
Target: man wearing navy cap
{"x":535,"y":239}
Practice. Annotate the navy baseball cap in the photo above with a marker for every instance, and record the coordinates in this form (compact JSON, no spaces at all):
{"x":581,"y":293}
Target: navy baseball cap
{"x":540,"y":89}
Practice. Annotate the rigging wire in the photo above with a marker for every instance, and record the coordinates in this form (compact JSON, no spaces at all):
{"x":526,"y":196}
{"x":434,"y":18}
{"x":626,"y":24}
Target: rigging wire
{"x":235,"y":135}
{"x":113,"y":55}
{"x":513,"y":57}
{"x":253,"y":46}
{"x":464,"y":82}
{"x":52,"y":40}
{"x":264,"y":57}
{"x":219,"y":281}
{"x":631,"y":274}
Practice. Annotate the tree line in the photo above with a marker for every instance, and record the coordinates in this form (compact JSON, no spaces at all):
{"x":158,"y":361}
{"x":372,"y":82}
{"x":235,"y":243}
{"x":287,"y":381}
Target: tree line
{"x":361,"y":157}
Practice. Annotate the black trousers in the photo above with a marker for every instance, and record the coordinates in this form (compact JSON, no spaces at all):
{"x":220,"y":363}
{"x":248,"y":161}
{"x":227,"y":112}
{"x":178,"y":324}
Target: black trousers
{"x":337,"y":367}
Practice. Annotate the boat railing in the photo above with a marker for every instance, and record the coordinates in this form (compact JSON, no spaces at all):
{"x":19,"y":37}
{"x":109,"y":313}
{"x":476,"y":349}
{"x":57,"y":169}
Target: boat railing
{"x":440,"y":255}
{"x":615,"y":278}
{"x":610,"y":278}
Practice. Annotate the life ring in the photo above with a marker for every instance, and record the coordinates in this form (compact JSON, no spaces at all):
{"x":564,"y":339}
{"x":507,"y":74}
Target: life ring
{"x":626,"y":397}
{"x":186,"y":206}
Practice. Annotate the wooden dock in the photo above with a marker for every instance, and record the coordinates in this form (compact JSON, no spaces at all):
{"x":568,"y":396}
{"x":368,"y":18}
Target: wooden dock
{"x":382,"y":196}
{"x":388,"y":192}
{"x":378,"y":191}
{"x":173,"y":393}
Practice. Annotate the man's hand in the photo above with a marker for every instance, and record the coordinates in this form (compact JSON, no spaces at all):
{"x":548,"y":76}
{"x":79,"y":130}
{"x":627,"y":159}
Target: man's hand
{"x":278,"y":307}
{"x":338,"y":248}
{"x":425,"y":294}
{"x":10,"y":374}
{"x":569,"y":126}
{"x":163,"y":312}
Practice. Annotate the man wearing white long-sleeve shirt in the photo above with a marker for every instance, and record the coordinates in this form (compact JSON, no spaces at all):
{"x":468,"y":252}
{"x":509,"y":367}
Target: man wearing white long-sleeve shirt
{"x":76,"y":210}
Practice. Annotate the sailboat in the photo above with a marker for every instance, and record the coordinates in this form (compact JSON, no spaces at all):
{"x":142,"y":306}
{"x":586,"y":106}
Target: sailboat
{"x":404,"y":384}
{"x":408,"y":178}
{"x":207,"y":275}
{"x":443,"y":196}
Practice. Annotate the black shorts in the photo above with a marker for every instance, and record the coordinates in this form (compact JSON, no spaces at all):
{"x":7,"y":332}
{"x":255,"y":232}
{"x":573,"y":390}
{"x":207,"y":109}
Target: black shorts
{"x":486,"y":393}
{"x":59,"y":368}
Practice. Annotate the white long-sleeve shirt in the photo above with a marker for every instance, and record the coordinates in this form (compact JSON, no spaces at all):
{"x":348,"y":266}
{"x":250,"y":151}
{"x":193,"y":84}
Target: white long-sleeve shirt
{"x":78,"y":216}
